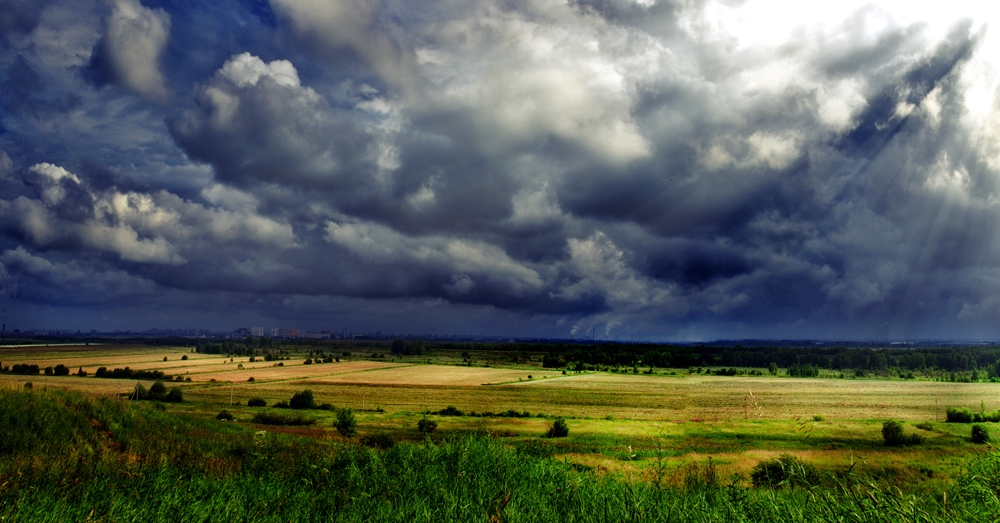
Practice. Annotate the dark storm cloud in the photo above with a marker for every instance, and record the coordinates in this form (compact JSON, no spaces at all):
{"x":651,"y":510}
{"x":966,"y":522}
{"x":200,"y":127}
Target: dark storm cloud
{"x":625,"y":168}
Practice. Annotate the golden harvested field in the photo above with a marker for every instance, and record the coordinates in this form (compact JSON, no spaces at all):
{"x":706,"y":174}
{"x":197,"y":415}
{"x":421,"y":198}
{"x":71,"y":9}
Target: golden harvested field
{"x":440,"y":375}
{"x":269,"y":371}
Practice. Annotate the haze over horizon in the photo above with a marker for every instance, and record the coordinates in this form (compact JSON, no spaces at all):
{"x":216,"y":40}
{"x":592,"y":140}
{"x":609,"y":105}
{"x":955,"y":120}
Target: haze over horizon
{"x":639,"y":169}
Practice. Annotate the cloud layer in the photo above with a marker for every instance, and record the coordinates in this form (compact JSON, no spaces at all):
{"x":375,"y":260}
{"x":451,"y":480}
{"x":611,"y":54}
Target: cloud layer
{"x":619,"y":169}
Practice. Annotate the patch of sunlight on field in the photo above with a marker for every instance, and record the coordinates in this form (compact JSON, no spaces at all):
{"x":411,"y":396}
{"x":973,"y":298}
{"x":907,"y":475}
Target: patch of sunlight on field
{"x":721,"y":397}
{"x":441,"y":375}
{"x":270,"y":371}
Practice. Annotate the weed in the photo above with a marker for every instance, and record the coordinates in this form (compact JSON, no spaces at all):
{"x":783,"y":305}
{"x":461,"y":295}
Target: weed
{"x":784,"y":471}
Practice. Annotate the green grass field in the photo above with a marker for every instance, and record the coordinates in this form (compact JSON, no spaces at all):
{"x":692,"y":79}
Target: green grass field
{"x":634,"y":431}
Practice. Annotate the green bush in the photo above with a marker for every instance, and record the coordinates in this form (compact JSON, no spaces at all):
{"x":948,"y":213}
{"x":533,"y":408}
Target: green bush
{"x":225,"y":415}
{"x":174,"y":395}
{"x":426,"y":425}
{"x":892,"y":433}
{"x":256,"y":402}
{"x":378,"y":440}
{"x":346,"y":424}
{"x":958,"y":415}
{"x":158,"y":391}
{"x":303,"y":400}
{"x":273,"y":418}
{"x":980,"y":434}
{"x":61,"y":370}
{"x":450,"y":410}
{"x":559,"y":429}
{"x":784,"y":471}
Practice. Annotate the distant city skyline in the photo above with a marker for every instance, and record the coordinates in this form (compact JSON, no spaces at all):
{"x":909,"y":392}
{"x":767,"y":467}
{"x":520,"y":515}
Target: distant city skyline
{"x":648,"y":170}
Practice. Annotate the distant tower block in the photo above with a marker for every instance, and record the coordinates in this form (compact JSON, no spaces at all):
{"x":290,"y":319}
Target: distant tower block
{"x":257,"y":331}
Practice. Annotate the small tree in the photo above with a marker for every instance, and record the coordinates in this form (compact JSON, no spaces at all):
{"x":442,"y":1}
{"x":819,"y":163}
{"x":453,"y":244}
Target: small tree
{"x":772,"y":369}
{"x":61,"y":370}
{"x":559,"y":429}
{"x":346,"y":424}
{"x":303,"y":400}
{"x":256,"y":402}
{"x":426,"y":425}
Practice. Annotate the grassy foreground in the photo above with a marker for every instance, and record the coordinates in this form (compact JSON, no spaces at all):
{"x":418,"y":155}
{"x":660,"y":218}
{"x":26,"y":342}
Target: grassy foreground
{"x":65,"y":456}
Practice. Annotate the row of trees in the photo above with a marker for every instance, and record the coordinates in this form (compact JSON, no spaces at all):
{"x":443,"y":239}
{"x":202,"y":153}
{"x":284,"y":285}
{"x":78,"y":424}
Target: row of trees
{"x":985,"y":359}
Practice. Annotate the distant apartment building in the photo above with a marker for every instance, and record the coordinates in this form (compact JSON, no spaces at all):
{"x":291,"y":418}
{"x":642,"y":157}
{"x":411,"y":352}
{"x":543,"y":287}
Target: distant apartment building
{"x":257,"y":332}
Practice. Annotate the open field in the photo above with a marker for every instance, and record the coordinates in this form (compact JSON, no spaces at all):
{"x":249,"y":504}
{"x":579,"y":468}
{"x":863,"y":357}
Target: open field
{"x":620,"y":423}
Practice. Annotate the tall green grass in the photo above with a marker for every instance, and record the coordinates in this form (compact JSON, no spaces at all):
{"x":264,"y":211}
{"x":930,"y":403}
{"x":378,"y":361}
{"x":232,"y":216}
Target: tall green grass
{"x":66,"y":457}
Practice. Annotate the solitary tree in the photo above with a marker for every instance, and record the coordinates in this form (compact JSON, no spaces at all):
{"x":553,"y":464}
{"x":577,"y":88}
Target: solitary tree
{"x":346,"y":425}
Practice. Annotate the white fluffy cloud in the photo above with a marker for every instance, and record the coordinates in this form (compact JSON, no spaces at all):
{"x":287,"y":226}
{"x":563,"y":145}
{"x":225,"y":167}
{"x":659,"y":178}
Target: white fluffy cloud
{"x":134,"y":38}
{"x":137,"y":227}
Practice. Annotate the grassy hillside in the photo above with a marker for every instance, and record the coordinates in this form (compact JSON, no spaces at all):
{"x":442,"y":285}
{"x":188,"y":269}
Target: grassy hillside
{"x":69,"y":457}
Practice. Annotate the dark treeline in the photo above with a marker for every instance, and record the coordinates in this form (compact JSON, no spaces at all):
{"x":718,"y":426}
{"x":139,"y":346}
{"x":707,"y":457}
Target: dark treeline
{"x":807,"y":358}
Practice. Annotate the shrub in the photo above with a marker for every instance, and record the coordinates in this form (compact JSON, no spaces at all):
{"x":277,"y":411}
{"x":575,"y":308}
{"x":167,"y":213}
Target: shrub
{"x":24,"y":368}
{"x":378,"y":440}
{"x":559,"y":429}
{"x":28,"y":385}
{"x":450,"y":410}
{"x":346,"y":424}
{"x":892,"y":433}
{"x":784,"y":471}
{"x":82,"y":373}
{"x":174,"y":395}
{"x":426,"y":425}
{"x":958,"y":415}
{"x":283,"y":404}
{"x":303,"y":400}
{"x":925,"y":426}
{"x":818,"y":417}
{"x":48,"y":371}
{"x":273,"y":418}
{"x":158,"y":391}
{"x":225,"y":415}
{"x":256,"y":402}
{"x":980,"y":434}
{"x":325,"y":406}
{"x":61,"y":370}
{"x":184,"y":357}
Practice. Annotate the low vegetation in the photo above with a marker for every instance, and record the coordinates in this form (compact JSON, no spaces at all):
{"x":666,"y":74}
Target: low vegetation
{"x":278,"y":419}
{"x":893,"y":435}
{"x":110,"y":460}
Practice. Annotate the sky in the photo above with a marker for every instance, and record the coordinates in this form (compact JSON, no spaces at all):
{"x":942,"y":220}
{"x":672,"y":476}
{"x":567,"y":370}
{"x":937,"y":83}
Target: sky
{"x":611,"y":169}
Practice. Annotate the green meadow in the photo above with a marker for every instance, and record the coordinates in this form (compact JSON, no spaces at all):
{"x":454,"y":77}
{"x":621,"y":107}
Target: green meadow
{"x":654,"y":445}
